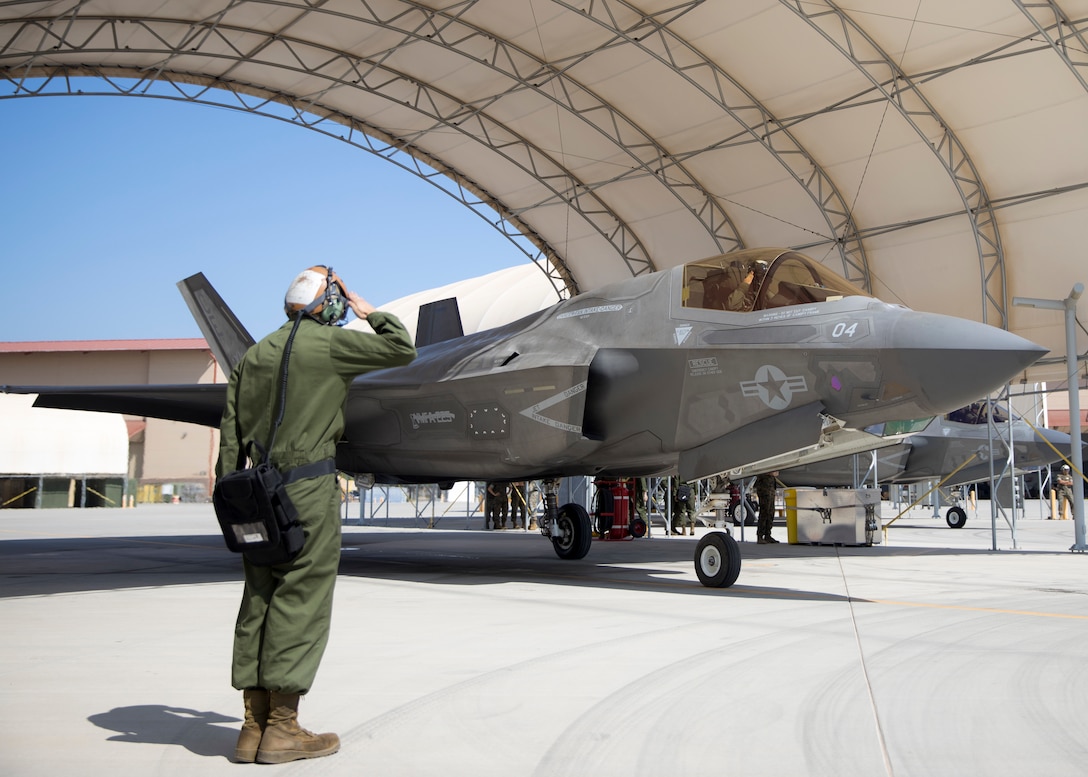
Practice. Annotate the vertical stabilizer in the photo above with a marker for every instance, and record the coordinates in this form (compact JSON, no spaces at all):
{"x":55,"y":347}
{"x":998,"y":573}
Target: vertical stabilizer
{"x":225,"y":334}
{"x":438,"y":321}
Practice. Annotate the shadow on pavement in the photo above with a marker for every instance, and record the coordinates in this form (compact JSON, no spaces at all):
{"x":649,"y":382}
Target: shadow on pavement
{"x":35,"y":567}
{"x":197,"y":731}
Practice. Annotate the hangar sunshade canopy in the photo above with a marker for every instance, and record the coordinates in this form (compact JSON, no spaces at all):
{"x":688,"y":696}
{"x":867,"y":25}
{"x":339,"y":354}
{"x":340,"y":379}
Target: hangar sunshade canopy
{"x":932,"y":152}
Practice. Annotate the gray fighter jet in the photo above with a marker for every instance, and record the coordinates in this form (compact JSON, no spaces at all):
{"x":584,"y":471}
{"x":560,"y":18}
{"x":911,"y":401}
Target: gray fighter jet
{"x":691,"y":371}
{"x":955,"y":446}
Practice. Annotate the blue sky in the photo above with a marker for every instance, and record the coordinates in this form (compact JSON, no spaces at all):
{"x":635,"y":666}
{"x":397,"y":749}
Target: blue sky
{"x":107,"y":202}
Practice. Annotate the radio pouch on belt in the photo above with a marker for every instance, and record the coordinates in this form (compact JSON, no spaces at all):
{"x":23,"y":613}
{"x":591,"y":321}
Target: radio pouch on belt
{"x":256,"y":515}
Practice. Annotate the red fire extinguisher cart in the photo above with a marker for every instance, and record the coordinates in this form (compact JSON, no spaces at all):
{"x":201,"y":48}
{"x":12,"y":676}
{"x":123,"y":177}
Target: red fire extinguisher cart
{"x":613,"y":511}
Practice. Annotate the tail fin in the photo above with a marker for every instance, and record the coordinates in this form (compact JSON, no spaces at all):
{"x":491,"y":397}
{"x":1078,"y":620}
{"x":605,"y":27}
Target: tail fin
{"x":438,"y":321}
{"x":225,"y":334}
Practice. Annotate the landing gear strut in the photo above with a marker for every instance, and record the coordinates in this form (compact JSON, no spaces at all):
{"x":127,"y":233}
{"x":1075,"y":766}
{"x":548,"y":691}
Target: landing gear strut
{"x":568,"y":527}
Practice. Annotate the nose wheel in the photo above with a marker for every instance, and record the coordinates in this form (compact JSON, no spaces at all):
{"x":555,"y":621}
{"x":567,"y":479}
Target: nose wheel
{"x":956,"y":517}
{"x":717,"y":560}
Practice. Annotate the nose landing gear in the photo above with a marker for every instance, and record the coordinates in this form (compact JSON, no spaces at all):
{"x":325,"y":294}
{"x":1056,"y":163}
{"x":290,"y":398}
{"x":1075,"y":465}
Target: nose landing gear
{"x":717,"y":560}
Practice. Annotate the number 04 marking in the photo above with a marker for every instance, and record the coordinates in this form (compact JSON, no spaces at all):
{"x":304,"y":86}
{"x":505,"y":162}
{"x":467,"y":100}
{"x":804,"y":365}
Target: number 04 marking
{"x":842,"y":328}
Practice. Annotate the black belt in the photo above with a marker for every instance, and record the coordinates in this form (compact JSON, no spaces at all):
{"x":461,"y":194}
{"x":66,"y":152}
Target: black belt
{"x":317,"y":469}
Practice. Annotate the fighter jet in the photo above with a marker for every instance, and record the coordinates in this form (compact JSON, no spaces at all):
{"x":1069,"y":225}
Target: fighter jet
{"x":690,"y":371}
{"x":954,"y":448}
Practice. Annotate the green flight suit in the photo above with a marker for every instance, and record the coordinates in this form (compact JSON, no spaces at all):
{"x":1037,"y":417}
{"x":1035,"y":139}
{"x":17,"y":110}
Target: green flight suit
{"x":283,"y":622}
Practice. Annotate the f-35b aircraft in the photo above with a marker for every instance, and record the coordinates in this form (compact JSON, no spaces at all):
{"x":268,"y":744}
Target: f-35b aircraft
{"x":954,"y":448}
{"x":689,"y":371}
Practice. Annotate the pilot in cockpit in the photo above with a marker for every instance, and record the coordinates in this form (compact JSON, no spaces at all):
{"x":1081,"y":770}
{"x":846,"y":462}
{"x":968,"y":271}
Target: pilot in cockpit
{"x":734,"y":287}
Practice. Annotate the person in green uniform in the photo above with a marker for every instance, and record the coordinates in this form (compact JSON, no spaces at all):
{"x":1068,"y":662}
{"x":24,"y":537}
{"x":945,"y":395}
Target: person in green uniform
{"x":283,"y":621}
{"x":519,"y":507}
{"x":1064,"y":483}
{"x":683,"y":507}
{"x":498,"y":502}
{"x":765,"y":487}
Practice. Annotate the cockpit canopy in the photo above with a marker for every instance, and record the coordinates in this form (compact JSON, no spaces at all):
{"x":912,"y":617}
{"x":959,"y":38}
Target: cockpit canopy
{"x":978,"y":413}
{"x":761,"y":279}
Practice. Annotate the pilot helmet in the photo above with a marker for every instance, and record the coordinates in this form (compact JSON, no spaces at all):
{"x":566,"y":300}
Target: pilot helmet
{"x":319,"y":293}
{"x":736,"y":271}
{"x":758,"y":268}
{"x":1065,"y":468}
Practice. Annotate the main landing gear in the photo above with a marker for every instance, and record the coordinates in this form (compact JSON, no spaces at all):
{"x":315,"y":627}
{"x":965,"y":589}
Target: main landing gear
{"x":568,"y":526}
{"x":717,"y":555}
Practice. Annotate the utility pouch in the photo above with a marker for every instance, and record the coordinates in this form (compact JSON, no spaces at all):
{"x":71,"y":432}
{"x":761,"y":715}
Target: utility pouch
{"x":256,"y":516}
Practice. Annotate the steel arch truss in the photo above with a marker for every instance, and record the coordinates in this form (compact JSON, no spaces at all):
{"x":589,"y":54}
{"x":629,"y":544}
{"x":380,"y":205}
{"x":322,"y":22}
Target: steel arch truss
{"x":57,"y":48}
{"x":651,"y":34}
{"x":903,"y":93}
{"x":1066,"y":36}
{"x":346,"y":129}
{"x":335,"y":69}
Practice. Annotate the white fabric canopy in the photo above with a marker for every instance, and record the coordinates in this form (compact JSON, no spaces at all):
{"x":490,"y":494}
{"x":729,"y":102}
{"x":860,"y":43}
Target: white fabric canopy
{"x":934,"y":151}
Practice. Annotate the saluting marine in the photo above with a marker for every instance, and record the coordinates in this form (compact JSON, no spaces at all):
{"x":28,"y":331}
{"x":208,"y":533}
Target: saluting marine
{"x":283,"y":621}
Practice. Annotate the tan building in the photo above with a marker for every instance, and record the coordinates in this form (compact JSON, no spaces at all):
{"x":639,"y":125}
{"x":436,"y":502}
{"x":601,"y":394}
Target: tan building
{"x":1057,"y":411}
{"x":166,"y":459}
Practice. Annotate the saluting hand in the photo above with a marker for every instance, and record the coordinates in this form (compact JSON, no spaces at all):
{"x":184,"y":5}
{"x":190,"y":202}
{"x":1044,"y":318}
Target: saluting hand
{"x":359,"y":306}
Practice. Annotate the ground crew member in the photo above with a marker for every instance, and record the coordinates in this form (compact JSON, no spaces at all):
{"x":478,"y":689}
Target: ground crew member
{"x":518,"y":508}
{"x":683,"y":507}
{"x":498,"y":502}
{"x":1064,"y":482}
{"x":638,"y":498}
{"x":283,"y":622}
{"x":765,"y":487}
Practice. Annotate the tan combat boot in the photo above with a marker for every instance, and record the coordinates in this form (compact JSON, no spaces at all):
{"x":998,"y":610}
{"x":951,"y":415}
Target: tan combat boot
{"x":249,"y":739}
{"x":285,"y":740}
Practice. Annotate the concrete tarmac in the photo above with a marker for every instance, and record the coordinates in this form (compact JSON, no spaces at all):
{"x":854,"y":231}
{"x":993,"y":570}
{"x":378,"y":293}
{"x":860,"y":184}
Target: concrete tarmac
{"x":464,"y":653}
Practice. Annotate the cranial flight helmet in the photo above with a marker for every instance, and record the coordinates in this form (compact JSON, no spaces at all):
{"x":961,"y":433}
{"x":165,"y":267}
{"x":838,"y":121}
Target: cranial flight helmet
{"x":319,"y":293}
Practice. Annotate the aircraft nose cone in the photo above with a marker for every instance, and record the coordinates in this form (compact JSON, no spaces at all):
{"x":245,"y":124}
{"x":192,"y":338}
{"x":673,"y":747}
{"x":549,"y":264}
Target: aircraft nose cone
{"x":951,"y":362}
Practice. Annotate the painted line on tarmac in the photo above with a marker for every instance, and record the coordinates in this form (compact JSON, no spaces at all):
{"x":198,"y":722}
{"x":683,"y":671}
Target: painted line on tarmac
{"x":967,"y":608}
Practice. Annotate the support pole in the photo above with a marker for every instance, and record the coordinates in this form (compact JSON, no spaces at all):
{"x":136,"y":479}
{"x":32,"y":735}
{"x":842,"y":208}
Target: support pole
{"x":1069,"y":306}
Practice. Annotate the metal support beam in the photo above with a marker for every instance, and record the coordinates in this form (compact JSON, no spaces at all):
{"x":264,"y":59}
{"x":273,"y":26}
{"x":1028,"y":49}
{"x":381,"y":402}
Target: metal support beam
{"x":1069,"y":307}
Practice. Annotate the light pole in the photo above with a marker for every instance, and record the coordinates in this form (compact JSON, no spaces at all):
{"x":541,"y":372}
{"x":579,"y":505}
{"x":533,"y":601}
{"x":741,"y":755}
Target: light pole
{"x":1069,"y":305}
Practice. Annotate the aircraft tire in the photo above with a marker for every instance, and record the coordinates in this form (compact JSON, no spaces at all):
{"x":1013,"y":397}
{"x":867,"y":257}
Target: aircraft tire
{"x":956,"y":517}
{"x":741,"y":513}
{"x":736,"y":512}
{"x":575,"y":532}
{"x":717,"y":560}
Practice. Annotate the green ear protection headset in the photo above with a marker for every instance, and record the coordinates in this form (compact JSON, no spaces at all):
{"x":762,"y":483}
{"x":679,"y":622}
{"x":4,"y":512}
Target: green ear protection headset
{"x":334,"y":308}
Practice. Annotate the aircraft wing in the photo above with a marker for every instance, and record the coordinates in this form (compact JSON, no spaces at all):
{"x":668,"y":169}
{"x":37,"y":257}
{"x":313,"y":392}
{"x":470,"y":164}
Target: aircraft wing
{"x":195,"y":404}
{"x":835,"y":441}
